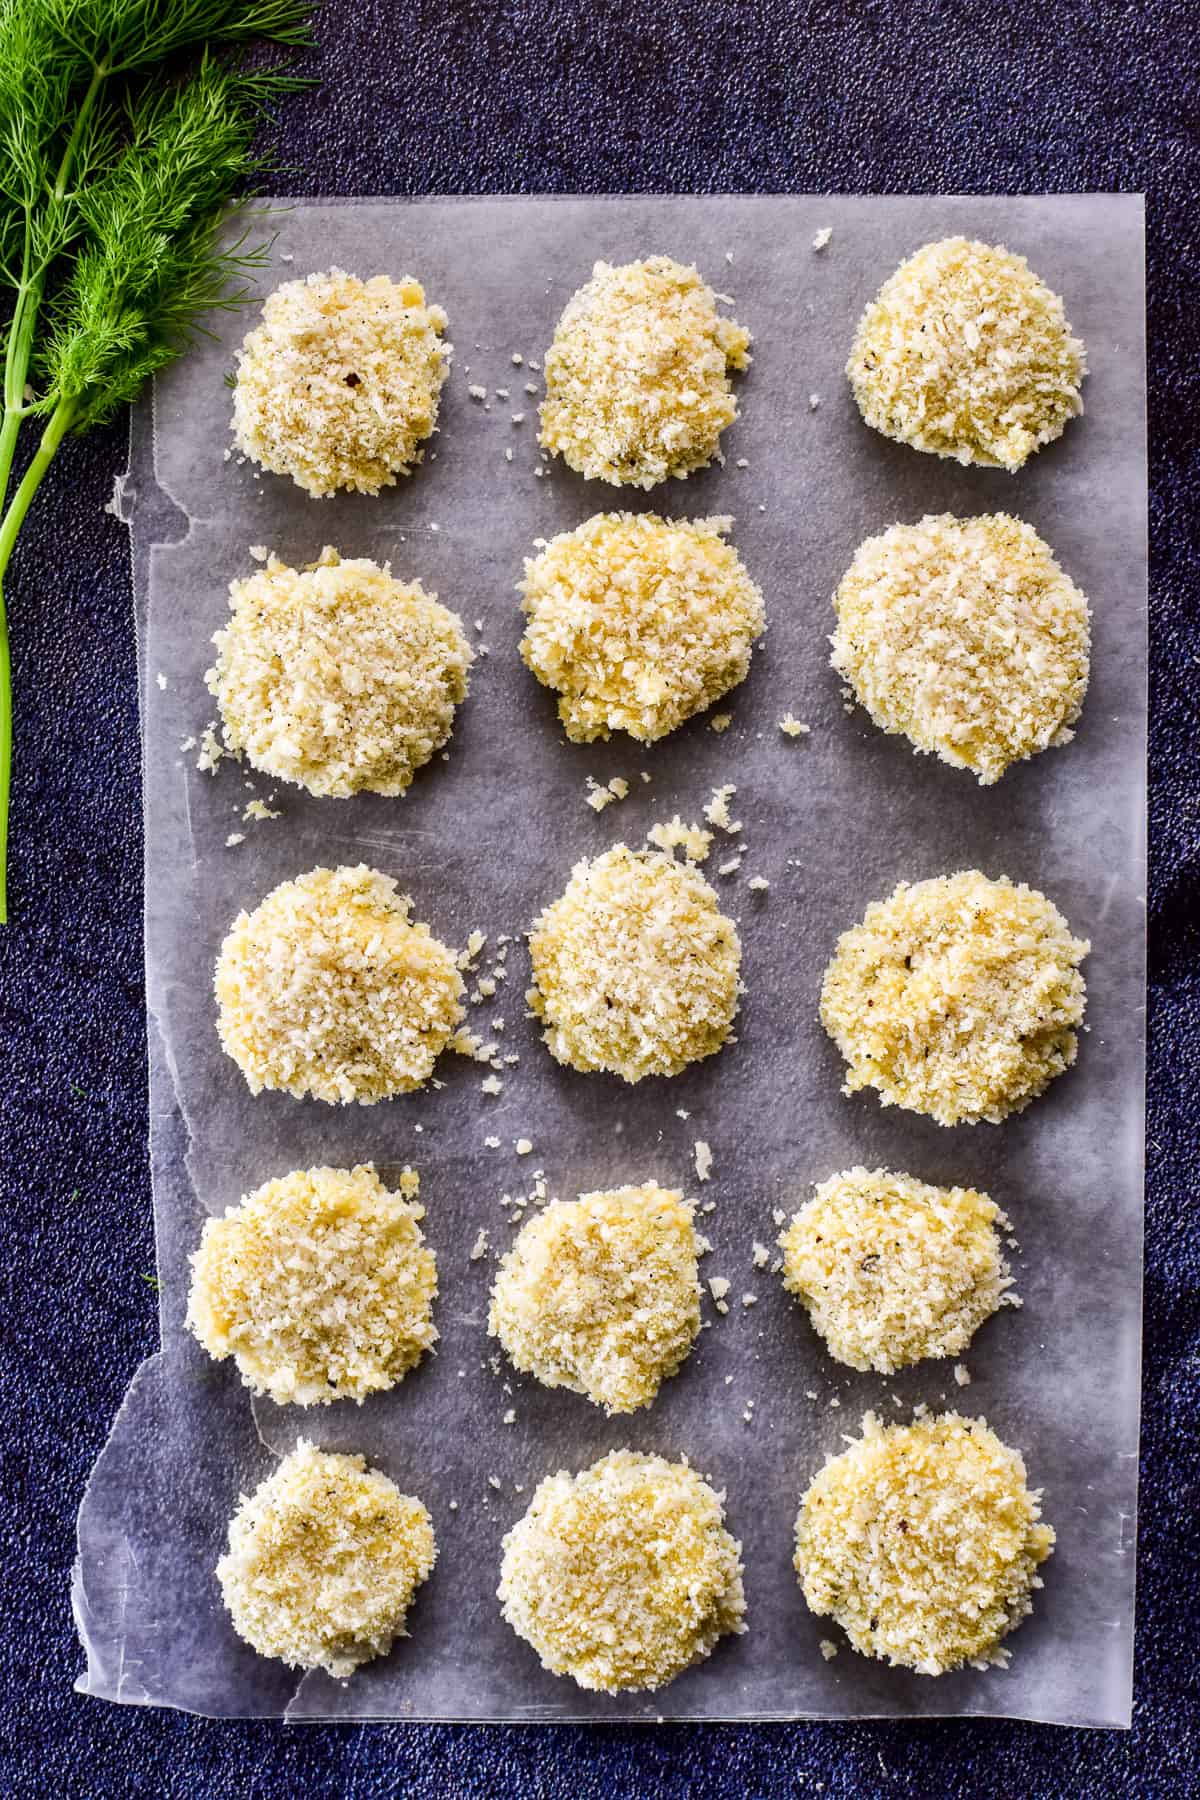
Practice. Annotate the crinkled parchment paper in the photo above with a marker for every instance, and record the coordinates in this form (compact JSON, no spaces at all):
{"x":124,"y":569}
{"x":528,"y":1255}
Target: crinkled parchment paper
{"x":486,"y":838}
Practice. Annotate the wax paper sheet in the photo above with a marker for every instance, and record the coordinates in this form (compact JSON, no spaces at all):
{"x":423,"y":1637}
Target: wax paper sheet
{"x":488,"y":836}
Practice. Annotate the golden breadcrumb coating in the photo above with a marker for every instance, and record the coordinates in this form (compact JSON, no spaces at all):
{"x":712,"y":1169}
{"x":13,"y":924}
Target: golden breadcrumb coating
{"x":892,"y":1270}
{"x":328,"y":989}
{"x":965,"y":635}
{"x":338,"y":386}
{"x":601,"y":1295}
{"x":964,"y":352}
{"x":637,"y":378}
{"x":323,"y":1561}
{"x":320,"y":1285}
{"x":337,"y":676}
{"x":638,"y":622}
{"x":635,"y":966}
{"x":957,"y":997}
{"x":623,"y":1575}
{"x":923,"y":1542}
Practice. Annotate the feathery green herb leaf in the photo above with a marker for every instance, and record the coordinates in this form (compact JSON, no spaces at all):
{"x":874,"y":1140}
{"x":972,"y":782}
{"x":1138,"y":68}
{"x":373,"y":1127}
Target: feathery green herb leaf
{"x":117,"y":160}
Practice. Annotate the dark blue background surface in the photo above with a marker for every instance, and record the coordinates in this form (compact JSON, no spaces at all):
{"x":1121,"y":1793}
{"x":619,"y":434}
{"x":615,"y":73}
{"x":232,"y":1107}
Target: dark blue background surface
{"x":558,"y":95}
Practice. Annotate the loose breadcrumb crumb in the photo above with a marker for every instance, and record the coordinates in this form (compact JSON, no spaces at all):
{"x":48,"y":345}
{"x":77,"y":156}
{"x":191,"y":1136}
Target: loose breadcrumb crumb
{"x":822,"y":237}
{"x":637,"y":377}
{"x":323,"y":1561}
{"x":892,"y":1270}
{"x":923,"y":1542}
{"x":636,"y":969}
{"x":956,"y":997}
{"x":259,"y":811}
{"x":717,"y":809}
{"x":337,"y":676}
{"x":965,"y":353}
{"x":600,"y":1294}
{"x":828,"y":1649}
{"x":638,"y":622}
{"x":965,"y":636}
{"x":758,"y":884}
{"x":339,"y":384}
{"x":624,"y":1575}
{"x":329,"y":989}
{"x":320,"y":1285}
{"x":703,"y":1157}
{"x":672,"y":834}
{"x":791,"y":726}
{"x":720,"y":722}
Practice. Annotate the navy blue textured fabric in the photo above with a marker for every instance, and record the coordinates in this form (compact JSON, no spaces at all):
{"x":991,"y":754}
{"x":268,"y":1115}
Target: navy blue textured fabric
{"x":576,"y":95}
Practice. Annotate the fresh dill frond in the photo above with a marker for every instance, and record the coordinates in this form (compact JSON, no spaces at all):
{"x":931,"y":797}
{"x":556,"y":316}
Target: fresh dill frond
{"x":117,"y":164}
{"x":150,"y":1280}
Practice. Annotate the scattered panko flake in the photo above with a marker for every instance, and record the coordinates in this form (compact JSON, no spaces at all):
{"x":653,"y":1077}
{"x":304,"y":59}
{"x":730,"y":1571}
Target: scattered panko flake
{"x":454,"y":1503}
{"x":743,"y":462}
{"x":718,"y":723}
{"x":760,"y":1255}
{"x":681,"y":1112}
{"x":508,"y":456}
{"x":812,"y":1394}
{"x":694,"y":841}
{"x":477,"y":392}
{"x":259,"y":552}
{"x":475,"y":944}
{"x":792,"y":727}
{"x":962,"y":1374}
{"x":211,"y":751}
{"x":487,"y":986}
{"x":464,"y":1043}
{"x":823,"y":236}
{"x":479,"y":1247}
{"x":749,"y":1299}
{"x":758,"y":884}
{"x":161,"y":679}
{"x":731,"y":867}
{"x":718,"y":1287}
{"x":491,"y":1143}
{"x":510,"y":1417}
{"x":814,"y":400}
{"x":702,"y":1152}
{"x":717,"y":810}
{"x":189,"y":743}
{"x":491,"y":1084}
{"x":494,"y":1482}
{"x":602,"y":794}
{"x":522,"y":1146}
{"x":517,"y":359}
{"x":258,"y":809}
{"x":235,"y":837}
{"x":502,"y":393}
{"x":834,"y":1401}
{"x":828,"y":1649}
{"x":518,"y":418}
